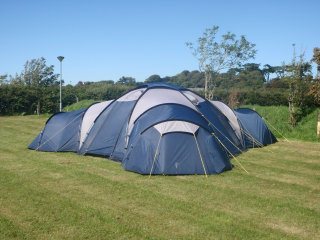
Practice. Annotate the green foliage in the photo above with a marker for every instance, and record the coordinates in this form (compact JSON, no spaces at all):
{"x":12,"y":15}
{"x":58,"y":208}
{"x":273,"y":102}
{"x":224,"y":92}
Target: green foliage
{"x":37,"y":76}
{"x":299,"y":76}
{"x":18,"y":98}
{"x":100,"y":90}
{"x":3,"y":79}
{"x":69,"y":196}
{"x":154,"y":78}
{"x":278,"y":117}
{"x":127,"y":80}
{"x":215,"y":55}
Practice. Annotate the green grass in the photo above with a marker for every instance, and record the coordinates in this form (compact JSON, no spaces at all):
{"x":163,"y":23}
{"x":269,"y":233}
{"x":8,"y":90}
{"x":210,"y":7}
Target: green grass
{"x":67,"y":196}
{"x":78,"y":105}
{"x":278,"y":117}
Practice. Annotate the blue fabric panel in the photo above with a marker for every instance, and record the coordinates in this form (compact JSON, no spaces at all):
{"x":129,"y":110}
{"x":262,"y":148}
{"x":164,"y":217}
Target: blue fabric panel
{"x":36,"y":142}
{"x":105,"y":132}
{"x":177,"y":154}
{"x":120,"y":146}
{"x":253,"y":124}
{"x":215,"y":156}
{"x":61,"y":133}
{"x":139,"y":157}
{"x":167,"y":112}
{"x":225,"y":134}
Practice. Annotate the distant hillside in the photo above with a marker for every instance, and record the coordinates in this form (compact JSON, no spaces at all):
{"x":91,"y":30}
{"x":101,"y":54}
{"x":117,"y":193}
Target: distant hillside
{"x":278,"y":117}
{"x":81,"y":104}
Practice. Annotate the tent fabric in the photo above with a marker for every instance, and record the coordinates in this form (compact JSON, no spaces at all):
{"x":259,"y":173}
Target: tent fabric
{"x":255,"y":131}
{"x":221,"y":127}
{"x":176,"y":126}
{"x":156,"y":128}
{"x":176,"y":153}
{"x":232,"y":118}
{"x":89,"y":117}
{"x":104,"y":134}
{"x":61,"y":133}
{"x":155,"y":97}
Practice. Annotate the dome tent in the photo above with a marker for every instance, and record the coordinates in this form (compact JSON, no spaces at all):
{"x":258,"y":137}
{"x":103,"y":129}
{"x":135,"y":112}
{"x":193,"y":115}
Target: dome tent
{"x":174,"y":144}
{"x":255,"y":131}
{"x":155,"y":129}
{"x":114,"y":133}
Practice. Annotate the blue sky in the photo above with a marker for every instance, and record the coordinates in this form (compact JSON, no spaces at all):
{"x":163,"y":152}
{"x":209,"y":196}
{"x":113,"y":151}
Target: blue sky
{"x":104,"y":40}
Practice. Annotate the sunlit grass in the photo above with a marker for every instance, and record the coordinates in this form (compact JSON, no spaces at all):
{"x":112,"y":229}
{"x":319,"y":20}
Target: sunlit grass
{"x":67,"y":196}
{"x":278,"y":117}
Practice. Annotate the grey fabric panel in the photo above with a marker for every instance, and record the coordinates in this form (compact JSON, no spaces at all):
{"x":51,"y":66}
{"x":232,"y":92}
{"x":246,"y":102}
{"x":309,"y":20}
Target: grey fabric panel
{"x":233,"y":120}
{"x":154,"y":97}
{"x":175,"y":126}
{"x":89,"y":117}
{"x":105,"y":132}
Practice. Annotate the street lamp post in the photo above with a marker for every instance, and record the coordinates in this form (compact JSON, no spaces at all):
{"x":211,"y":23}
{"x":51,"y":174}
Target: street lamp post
{"x":60,"y":58}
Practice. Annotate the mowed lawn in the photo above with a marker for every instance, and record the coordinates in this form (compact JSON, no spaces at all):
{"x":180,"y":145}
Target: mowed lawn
{"x":67,"y":196}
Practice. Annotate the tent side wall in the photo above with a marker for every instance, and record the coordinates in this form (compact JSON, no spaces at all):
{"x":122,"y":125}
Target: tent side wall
{"x":103,"y":135}
{"x":61,"y":133}
{"x":256,"y":132}
{"x":89,"y":117}
{"x":175,"y":153}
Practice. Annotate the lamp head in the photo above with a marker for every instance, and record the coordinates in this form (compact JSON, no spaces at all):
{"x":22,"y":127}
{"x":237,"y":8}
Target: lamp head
{"x":60,"y":58}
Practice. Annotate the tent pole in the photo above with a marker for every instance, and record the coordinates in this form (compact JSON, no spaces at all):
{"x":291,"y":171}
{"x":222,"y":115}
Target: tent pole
{"x":204,"y":169}
{"x":276,"y":130}
{"x":155,"y":156}
{"x":230,"y":153}
{"x":256,"y":141}
{"x":226,"y":137}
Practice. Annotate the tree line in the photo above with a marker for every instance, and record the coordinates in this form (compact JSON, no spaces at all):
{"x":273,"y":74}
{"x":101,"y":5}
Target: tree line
{"x":36,"y":89}
{"x":224,"y":74}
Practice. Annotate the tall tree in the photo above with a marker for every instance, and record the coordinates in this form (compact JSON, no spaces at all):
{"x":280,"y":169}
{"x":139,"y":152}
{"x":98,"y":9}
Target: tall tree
{"x":316,"y":59}
{"x":154,"y":78}
{"x":215,"y":55}
{"x":127,"y":80}
{"x":315,"y":88}
{"x":3,"y":79}
{"x":37,"y":76}
{"x":299,"y":77}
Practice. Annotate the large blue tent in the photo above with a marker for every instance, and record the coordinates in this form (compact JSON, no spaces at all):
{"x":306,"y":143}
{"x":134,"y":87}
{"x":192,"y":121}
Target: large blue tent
{"x":152,"y":129}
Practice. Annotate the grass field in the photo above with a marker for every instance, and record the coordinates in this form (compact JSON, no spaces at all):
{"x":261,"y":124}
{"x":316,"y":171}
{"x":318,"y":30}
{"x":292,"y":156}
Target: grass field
{"x":278,"y":117}
{"x":67,"y":196}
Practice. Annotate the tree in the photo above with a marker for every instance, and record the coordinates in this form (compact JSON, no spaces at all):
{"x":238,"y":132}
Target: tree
{"x":215,"y":55}
{"x":316,"y":59}
{"x":267,"y":71}
{"x":154,"y":78}
{"x":299,"y":76}
{"x":127,"y":80}
{"x":315,"y":87}
{"x":3,"y":79}
{"x":37,"y":76}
